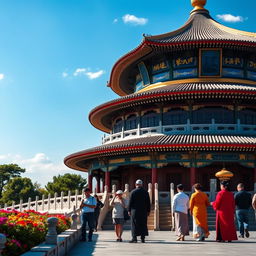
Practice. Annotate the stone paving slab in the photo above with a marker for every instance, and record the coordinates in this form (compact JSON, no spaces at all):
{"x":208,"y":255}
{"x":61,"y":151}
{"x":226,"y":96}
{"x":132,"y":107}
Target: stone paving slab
{"x":162,"y":243}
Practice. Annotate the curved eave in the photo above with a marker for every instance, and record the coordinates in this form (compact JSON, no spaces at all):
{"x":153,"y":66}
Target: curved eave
{"x":148,"y":46}
{"x":162,"y":143}
{"x":97,"y":113}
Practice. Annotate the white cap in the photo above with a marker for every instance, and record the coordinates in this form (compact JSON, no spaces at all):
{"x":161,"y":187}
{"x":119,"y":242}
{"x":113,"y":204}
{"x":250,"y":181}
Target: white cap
{"x":119,"y":192}
{"x":139,"y":182}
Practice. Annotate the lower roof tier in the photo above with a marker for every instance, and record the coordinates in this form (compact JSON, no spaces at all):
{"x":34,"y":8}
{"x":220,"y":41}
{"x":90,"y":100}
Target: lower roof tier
{"x":168,"y":93}
{"x":162,"y":143}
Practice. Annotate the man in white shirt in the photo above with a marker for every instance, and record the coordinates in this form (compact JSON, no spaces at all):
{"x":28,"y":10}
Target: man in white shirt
{"x":87,"y":206}
{"x":180,"y":206}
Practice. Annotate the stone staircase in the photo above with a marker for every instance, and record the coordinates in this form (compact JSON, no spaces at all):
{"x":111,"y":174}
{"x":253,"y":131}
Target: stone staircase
{"x":165,"y":220}
{"x":108,"y":222}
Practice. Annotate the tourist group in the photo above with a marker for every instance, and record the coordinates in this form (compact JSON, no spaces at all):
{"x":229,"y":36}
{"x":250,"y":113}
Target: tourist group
{"x":138,"y":208}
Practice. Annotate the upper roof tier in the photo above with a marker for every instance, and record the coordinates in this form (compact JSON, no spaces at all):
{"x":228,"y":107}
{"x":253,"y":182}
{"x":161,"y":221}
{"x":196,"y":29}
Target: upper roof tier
{"x":200,"y":31}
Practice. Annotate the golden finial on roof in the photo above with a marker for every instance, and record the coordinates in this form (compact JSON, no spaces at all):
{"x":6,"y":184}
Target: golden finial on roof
{"x":198,"y":4}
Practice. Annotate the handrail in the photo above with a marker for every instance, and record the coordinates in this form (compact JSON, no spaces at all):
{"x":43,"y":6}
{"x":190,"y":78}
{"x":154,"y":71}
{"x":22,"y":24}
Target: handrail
{"x":213,"y":128}
{"x":156,"y":210}
{"x":150,"y":192}
{"x":105,"y":208}
{"x":171,"y":200}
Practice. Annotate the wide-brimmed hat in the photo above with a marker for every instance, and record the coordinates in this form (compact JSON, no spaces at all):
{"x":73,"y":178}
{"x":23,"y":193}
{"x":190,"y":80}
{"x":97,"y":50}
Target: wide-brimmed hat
{"x":119,"y":192}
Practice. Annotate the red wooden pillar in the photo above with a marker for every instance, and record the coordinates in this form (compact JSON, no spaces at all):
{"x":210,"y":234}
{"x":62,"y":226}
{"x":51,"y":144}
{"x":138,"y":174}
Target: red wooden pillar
{"x":192,"y":176}
{"x":154,"y":177}
{"x":107,"y":180}
{"x":90,"y":181}
{"x":98,"y":184}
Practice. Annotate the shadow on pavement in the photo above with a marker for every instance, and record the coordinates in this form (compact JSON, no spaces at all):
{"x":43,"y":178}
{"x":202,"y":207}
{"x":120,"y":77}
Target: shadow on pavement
{"x":84,"y":248}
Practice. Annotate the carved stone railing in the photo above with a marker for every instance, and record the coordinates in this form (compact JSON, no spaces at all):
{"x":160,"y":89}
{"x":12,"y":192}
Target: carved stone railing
{"x":55,"y":204}
{"x":150,"y":192}
{"x":188,"y":128}
{"x":104,"y":209}
{"x":171,"y":200}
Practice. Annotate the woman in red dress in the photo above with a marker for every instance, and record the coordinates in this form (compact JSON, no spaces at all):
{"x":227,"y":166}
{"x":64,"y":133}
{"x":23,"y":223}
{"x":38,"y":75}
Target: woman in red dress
{"x":224,"y":205}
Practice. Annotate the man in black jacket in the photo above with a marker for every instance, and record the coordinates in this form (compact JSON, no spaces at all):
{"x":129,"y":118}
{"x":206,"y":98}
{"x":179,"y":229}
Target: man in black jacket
{"x":243,"y":201}
{"x":139,"y":210}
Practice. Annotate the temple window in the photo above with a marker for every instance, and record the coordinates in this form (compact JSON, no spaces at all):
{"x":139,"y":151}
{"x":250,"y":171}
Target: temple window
{"x":175,"y":117}
{"x":247,"y":116}
{"x":131,"y":122}
{"x":210,"y":62}
{"x":118,"y":125}
{"x":150,"y":119}
{"x":206,"y":114}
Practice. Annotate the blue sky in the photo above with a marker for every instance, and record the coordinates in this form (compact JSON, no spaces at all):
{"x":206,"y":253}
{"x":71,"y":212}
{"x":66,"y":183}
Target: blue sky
{"x":55,"y":60}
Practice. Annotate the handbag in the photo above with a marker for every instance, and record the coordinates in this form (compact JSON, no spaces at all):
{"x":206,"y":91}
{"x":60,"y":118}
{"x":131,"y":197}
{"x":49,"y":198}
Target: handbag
{"x":126,"y":215}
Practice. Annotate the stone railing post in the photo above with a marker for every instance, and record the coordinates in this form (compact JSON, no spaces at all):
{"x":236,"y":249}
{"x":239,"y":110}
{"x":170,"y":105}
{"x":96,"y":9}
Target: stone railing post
{"x":105,"y":208}
{"x":213,"y":187}
{"x":5,"y":206}
{"x":13,"y":204}
{"x":21,"y":206}
{"x":55,"y":200}
{"x":51,"y":236}
{"x":74,"y":217}
{"x":156,"y":215}
{"x":171,"y":198}
{"x":2,"y":243}
{"x":36,"y":206}
{"x":29,"y":203}
{"x":150,"y":192}
{"x":69,"y":199}
{"x":76,"y":198}
{"x":49,"y":202}
{"x":126,"y":191}
{"x":43,"y":198}
{"x":61,"y":200}
{"x":113,"y":189}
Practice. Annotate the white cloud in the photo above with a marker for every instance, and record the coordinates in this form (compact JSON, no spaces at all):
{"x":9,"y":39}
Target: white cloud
{"x":88,"y":73}
{"x":80,"y":71}
{"x":94,"y":75}
{"x":230,"y":18}
{"x":115,"y":20}
{"x":132,"y":19}
{"x":64,"y":74}
{"x":1,"y":76}
{"x":40,"y":168}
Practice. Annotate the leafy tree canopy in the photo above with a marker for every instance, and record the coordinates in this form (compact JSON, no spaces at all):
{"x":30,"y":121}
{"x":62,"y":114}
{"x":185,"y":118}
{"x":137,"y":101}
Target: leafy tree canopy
{"x":65,"y":183}
{"x":8,"y":171}
{"x":19,"y":188}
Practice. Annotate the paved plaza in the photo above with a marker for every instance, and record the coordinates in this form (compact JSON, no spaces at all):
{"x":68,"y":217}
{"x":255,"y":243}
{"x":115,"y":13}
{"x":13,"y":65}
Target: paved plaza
{"x":162,"y":243}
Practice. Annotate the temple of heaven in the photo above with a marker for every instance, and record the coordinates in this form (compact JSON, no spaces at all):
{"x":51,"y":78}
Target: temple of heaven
{"x":186,"y":110}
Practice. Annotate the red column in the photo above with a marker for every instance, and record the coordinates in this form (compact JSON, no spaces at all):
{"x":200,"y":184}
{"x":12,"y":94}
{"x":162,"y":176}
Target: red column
{"x":90,"y":181}
{"x":107,"y":180}
{"x":154,"y":177}
{"x":98,"y":184}
{"x":192,"y":176}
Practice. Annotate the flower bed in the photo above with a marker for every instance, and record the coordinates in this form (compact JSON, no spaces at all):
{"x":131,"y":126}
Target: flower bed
{"x":25,"y":230}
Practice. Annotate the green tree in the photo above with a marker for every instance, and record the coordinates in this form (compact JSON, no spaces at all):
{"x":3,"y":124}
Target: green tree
{"x":7,"y":172}
{"x":19,"y":188}
{"x":65,"y":183}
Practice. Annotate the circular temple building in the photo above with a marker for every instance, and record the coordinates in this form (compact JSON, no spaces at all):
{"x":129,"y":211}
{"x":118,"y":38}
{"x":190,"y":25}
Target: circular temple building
{"x":187,"y":109}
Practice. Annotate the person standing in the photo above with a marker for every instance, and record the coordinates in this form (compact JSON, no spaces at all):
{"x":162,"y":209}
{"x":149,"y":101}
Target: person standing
{"x":243,"y":201}
{"x":224,"y":205}
{"x":87,"y":206}
{"x":119,"y":205}
{"x":198,"y":207}
{"x":99,"y":205}
{"x":180,"y":208}
{"x":139,"y":210}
